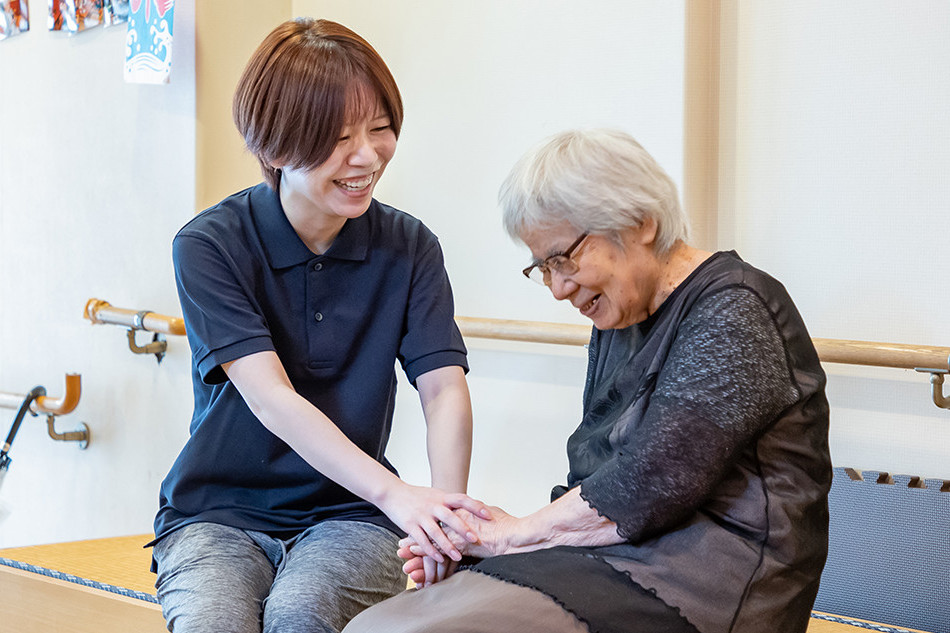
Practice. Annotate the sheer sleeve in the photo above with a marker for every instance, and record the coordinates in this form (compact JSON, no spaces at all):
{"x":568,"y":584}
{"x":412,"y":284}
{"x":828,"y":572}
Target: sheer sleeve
{"x":725,"y":380}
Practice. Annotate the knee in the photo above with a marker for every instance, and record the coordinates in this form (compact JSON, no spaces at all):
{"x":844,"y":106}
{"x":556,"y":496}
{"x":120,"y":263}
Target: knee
{"x":388,"y":616}
{"x":203,"y":585}
{"x":370,"y":620}
{"x":301,"y":619}
{"x":307,"y":611}
{"x":200,"y":616}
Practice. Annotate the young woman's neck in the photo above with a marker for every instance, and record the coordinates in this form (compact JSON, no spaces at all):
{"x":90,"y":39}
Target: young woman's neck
{"x":317,"y":230}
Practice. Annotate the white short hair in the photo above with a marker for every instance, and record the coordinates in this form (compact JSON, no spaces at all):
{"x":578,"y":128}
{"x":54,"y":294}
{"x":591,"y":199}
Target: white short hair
{"x":600,"y":181}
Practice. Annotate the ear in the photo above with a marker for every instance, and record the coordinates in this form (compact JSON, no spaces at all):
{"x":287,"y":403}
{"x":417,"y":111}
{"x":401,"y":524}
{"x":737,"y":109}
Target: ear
{"x":646,"y":233}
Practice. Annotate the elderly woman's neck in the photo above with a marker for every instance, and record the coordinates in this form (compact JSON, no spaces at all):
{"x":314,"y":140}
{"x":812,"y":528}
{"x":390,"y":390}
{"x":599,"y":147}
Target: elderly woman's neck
{"x":675,"y":266}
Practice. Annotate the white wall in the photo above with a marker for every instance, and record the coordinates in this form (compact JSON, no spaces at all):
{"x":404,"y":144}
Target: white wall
{"x":834,"y":156}
{"x":95,"y":177}
{"x":481,"y":82}
{"x":89,"y":203}
{"x":836,"y":150}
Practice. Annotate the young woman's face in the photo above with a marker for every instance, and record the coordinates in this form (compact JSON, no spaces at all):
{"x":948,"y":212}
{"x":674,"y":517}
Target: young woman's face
{"x":342,"y":186}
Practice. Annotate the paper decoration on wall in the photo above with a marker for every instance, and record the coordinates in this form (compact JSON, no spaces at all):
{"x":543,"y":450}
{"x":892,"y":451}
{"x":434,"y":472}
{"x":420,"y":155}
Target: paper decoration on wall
{"x":115,"y":11}
{"x":14,"y":17}
{"x":148,"y":45}
{"x":73,"y":16}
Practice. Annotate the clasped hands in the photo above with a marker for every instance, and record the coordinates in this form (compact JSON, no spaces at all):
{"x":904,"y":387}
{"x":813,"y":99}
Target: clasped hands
{"x":483,"y":537}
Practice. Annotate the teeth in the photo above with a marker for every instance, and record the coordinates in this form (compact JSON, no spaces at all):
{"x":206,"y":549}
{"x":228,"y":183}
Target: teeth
{"x":356,"y":185}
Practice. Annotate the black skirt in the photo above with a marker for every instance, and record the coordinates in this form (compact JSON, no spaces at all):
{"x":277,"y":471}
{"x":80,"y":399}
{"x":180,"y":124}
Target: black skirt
{"x":583,"y":583}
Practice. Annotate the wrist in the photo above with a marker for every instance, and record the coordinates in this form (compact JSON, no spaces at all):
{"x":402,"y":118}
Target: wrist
{"x":523,"y":535}
{"x":452,"y":483}
{"x":383,"y":492}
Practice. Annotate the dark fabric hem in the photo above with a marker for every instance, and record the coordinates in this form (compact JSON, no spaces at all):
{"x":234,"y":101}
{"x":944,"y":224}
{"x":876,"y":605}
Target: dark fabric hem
{"x":531,"y":586}
{"x":209,"y":366}
{"x":435,"y":360}
{"x":560,"y":572}
{"x":584,"y":494}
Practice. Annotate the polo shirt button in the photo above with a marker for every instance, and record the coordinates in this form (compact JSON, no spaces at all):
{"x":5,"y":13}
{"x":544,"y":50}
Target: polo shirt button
{"x":318,"y":316}
{"x":318,"y":266}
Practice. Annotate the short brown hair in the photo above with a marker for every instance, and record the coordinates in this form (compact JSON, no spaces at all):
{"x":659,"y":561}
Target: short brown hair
{"x":294,"y":96}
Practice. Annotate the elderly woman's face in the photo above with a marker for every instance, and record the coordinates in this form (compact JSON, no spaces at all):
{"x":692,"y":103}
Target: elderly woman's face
{"x":614,"y":286}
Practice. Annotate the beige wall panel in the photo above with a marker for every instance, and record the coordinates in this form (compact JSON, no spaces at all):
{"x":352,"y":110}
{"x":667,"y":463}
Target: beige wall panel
{"x":228,"y":31}
{"x":701,"y":125}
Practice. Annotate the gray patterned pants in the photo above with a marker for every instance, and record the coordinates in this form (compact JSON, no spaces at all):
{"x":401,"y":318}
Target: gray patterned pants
{"x":217,"y":578}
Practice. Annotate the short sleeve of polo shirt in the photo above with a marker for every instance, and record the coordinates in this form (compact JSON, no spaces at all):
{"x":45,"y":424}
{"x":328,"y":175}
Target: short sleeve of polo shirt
{"x":222,"y":320}
{"x":432,"y":339}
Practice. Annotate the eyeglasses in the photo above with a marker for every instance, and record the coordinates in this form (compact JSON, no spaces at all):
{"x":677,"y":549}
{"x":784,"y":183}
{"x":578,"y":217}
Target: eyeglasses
{"x":560,"y":263}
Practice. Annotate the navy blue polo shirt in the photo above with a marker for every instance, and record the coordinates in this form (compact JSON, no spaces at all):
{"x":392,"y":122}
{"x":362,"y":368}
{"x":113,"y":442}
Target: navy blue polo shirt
{"x":338,"y":322}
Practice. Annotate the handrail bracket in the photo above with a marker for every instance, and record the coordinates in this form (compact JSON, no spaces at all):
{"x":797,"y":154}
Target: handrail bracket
{"x":81,"y":434}
{"x":936,"y":380}
{"x":98,"y":311}
{"x":158,"y":346}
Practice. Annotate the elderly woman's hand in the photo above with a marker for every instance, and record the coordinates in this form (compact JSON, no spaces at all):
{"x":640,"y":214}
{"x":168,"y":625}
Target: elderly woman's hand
{"x":494,"y":537}
{"x":425,"y":571}
{"x":568,"y":521}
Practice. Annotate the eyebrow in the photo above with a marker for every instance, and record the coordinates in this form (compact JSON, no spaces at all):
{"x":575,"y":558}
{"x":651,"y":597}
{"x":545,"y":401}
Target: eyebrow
{"x":537,"y":261}
{"x":560,"y":251}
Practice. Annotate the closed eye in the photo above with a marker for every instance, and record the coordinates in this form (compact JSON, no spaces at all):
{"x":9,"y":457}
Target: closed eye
{"x":551,"y":262}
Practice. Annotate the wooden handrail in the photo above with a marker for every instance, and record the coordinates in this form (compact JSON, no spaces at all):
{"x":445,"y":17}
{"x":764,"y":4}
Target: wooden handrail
{"x":528,"y":331}
{"x":99,"y":311}
{"x":897,"y":355}
{"x":894,"y":355}
{"x":47,"y":404}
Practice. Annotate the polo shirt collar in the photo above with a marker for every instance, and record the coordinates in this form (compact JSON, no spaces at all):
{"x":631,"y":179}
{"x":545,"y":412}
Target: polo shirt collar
{"x":284,"y":247}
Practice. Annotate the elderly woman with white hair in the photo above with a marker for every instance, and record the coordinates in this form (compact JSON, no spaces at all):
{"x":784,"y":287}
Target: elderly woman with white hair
{"x":697,"y":493}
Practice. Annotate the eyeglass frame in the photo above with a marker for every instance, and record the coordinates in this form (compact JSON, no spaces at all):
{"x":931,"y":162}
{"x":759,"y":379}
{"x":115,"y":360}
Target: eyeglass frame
{"x":545,"y":265}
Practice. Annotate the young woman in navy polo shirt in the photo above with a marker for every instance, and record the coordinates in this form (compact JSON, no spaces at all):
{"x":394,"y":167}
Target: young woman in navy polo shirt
{"x":282,"y":513}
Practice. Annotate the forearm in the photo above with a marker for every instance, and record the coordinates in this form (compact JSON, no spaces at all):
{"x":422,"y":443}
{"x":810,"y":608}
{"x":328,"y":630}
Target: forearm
{"x":568,"y":521}
{"x":449,"y":449}
{"x":321,"y":444}
{"x":448,"y":412}
{"x":307,"y":430}
{"x":419,"y":511}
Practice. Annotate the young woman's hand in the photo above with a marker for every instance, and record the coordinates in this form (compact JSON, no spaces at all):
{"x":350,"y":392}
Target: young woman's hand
{"x":423,"y":513}
{"x":492,"y":538}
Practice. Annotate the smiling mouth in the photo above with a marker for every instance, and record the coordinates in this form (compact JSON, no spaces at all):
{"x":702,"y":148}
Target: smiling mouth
{"x":588,"y":307}
{"x":355,"y":184}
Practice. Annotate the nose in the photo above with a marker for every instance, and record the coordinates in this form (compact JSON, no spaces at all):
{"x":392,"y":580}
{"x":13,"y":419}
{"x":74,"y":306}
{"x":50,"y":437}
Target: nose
{"x":363,"y":152}
{"x":561,"y":286}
